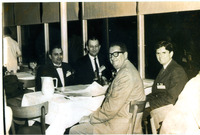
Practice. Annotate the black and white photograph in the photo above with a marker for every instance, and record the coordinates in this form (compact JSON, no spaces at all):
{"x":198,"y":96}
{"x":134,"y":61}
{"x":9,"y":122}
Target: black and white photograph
{"x":100,"y":67}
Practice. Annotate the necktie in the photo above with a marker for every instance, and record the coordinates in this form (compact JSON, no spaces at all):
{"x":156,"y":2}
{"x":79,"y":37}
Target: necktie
{"x":96,"y":67}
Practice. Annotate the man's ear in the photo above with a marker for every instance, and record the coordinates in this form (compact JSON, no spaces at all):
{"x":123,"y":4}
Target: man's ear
{"x":86,"y":47}
{"x":50,"y":57}
{"x":126,"y":55}
{"x":171,"y":54}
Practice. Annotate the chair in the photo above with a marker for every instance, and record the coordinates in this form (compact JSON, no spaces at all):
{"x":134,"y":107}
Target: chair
{"x":157,"y":117}
{"x":28,"y":113}
{"x":135,"y":108}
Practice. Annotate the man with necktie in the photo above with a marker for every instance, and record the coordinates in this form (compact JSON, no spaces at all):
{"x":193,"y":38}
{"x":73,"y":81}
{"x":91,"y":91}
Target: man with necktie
{"x":55,"y":68}
{"x":169,"y":82}
{"x":113,"y":116}
{"x":89,"y":66}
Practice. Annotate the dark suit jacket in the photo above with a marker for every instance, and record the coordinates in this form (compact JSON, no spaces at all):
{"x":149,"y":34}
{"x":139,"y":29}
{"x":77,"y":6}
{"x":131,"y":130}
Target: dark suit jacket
{"x":84,"y":73}
{"x":173,"y":79}
{"x":49,"y":70}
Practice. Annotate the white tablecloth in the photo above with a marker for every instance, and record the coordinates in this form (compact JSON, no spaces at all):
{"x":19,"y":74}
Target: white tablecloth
{"x":63,"y":113}
{"x":25,"y":76}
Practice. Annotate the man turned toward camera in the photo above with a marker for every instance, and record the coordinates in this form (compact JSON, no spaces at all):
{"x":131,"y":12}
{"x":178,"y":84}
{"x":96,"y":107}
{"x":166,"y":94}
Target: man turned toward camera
{"x":89,"y":66}
{"x":55,"y":68}
{"x":113,"y":116}
{"x":169,"y":82}
{"x":171,"y":79}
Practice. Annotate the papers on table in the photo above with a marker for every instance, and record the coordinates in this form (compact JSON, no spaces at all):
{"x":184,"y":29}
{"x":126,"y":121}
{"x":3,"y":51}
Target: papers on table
{"x":89,"y":90}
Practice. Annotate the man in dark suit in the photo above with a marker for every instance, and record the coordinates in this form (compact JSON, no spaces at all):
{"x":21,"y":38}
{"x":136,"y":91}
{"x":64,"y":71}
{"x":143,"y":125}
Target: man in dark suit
{"x":56,"y":69}
{"x":86,"y":67}
{"x":171,"y":79}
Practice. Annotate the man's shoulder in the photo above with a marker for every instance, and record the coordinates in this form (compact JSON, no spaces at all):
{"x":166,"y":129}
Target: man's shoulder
{"x":129,"y":69}
{"x":66,"y":65}
{"x":82,"y":59}
{"x":175,"y":66}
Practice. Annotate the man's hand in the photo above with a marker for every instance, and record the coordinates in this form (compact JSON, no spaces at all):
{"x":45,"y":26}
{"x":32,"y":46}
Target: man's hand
{"x":84,"y":119}
{"x":104,"y":80}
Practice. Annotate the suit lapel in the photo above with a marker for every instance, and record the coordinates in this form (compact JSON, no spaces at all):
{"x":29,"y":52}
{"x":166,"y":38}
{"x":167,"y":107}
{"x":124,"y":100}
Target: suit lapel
{"x":163,"y":72}
{"x":90,"y":70}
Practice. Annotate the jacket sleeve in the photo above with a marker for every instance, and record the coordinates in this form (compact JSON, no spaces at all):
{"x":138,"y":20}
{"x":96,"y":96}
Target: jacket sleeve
{"x":120,"y":90}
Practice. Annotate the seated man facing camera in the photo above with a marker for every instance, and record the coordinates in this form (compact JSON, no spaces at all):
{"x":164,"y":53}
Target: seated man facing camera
{"x":91,"y":65}
{"x":169,"y":82}
{"x":56,"y":69}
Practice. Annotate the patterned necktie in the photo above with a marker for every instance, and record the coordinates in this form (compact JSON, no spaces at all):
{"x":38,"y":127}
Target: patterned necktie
{"x":96,"y":67}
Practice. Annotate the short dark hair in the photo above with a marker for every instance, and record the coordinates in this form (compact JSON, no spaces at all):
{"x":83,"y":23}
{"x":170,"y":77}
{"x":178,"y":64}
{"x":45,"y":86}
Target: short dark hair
{"x":168,"y":45}
{"x":54,"y":47}
{"x":122,"y":46}
{"x":92,"y":38}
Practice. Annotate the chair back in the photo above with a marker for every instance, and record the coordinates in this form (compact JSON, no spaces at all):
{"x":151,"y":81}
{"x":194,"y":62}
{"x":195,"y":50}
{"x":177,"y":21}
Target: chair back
{"x":31,"y":112}
{"x":136,"y":107}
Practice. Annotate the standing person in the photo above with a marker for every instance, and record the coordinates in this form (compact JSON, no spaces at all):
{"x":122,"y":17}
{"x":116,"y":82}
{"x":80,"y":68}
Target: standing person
{"x":56,"y":69}
{"x":12,"y":53}
{"x":85,"y":67}
{"x":113,"y":116}
{"x":169,"y":82}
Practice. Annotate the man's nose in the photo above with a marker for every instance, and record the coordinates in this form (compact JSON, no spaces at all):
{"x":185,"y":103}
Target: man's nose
{"x":112,"y":57}
{"x":60,"y":56}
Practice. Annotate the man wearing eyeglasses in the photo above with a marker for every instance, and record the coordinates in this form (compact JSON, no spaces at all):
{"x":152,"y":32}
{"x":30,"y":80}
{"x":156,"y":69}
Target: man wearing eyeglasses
{"x":113,"y":116}
{"x":87,"y":66}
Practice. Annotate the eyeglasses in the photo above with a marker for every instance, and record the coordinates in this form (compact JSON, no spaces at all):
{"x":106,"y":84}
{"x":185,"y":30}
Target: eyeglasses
{"x":115,"y":54}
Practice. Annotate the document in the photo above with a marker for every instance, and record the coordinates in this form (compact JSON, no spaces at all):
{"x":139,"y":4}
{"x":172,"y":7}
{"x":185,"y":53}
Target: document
{"x":89,"y":90}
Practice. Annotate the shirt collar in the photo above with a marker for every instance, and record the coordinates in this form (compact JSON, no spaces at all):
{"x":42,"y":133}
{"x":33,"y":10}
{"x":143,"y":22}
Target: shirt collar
{"x":57,"y":65}
{"x":165,"y":66}
{"x":92,"y":57}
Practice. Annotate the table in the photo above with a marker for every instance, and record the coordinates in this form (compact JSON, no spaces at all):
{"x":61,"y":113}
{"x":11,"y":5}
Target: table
{"x":27,"y":78}
{"x":63,"y":113}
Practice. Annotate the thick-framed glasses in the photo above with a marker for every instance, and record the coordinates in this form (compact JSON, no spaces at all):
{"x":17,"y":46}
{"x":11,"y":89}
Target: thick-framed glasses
{"x":115,"y":54}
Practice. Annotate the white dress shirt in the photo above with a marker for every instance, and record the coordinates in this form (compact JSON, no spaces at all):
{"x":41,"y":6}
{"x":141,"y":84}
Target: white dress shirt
{"x":60,"y":73}
{"x":92,"y":61}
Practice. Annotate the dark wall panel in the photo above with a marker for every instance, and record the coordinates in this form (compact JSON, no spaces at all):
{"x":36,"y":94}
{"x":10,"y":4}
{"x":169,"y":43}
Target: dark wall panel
{"x":72,"y":11}
{"x":8,"y":14}
{"x":50,"y":12}
{"x":27,"y":13}
{"x":95,"y":10}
